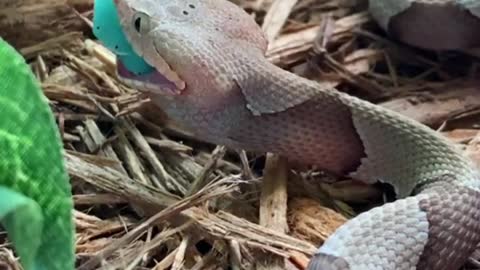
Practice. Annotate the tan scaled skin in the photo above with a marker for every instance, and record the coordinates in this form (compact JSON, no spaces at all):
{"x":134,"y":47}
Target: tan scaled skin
{"x":234,"y":96}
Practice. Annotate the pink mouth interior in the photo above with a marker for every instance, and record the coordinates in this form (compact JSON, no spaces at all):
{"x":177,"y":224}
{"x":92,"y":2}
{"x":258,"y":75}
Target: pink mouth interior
{"x":153,"y":77}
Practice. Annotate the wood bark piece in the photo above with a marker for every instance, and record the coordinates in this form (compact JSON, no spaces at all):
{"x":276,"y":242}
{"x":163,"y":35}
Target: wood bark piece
{"x":25,"y":23}
{"x":273,"y":204}
{"x":291,"y":47}
{"x":311,"y":221}
{"x":276,"y":17}
{"x":435,"y":108}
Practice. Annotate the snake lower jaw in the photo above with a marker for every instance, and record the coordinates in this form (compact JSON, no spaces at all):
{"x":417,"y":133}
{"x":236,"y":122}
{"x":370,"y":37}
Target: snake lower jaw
{"x":156,"y":81}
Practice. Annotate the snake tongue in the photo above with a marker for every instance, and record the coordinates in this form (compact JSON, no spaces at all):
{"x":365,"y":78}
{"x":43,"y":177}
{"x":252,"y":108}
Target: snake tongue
{"x":151,"y":81}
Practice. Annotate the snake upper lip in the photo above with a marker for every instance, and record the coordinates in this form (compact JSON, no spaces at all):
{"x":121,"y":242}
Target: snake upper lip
{"x":162,"y":79}
{"x":153,"y":81}
{"x":164,"y":68}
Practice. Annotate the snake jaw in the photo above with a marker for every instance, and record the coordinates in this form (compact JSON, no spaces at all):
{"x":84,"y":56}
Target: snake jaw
{"x":162,"y":80}
{"x":165,"y":69}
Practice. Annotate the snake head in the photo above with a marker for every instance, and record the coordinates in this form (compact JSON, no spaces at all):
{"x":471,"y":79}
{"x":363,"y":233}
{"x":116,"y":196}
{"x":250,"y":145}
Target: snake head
{"x":189,"y":42}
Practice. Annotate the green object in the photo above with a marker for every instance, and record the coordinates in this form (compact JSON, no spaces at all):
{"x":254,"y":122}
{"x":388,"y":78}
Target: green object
{"x":35,"y":194}
{"x":107,"y":28}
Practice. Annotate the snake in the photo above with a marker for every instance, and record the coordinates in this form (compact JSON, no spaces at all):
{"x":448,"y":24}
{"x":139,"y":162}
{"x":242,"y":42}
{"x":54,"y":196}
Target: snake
{"x":430,"y":24}
{"x":211,"y":77}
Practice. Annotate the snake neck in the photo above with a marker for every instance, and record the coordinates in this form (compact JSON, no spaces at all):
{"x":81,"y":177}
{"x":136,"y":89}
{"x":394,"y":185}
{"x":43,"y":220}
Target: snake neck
{"x":395,"y":149}
{"x":271,"y":109}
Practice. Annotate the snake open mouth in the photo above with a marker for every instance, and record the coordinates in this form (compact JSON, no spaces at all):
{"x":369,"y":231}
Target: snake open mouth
{"x":165,"y":81}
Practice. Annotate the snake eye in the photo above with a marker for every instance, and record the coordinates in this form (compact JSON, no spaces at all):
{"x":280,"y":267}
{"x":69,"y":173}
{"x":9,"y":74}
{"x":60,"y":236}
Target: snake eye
{"x":138,"y":23}
{"x":141,"y":23}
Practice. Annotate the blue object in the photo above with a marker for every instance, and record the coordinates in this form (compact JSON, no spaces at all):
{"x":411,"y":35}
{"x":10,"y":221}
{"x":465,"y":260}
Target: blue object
{"x":107,"y":28}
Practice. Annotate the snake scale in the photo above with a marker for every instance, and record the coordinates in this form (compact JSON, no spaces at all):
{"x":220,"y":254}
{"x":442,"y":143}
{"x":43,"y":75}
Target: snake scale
{"x":212,"y":77}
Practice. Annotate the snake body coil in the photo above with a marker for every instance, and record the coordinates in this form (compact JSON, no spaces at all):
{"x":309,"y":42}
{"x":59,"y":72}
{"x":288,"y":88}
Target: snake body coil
{"x":232,"y":95}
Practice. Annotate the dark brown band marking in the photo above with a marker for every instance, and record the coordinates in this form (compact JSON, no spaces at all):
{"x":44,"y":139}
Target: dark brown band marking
{"x":453,"y":213}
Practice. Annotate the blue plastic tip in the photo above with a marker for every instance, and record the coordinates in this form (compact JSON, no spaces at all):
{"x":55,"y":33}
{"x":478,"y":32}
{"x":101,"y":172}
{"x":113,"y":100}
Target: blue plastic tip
{"x":107,"y":28}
